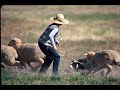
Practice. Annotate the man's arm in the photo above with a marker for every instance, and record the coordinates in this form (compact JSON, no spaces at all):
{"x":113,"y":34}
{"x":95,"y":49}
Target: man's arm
{"x":57,"y":42}
{"x":51,"y":35}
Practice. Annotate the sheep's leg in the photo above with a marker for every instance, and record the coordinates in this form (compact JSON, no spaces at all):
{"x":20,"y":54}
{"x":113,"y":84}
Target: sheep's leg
{"x":31,"y":66}
{"x":13,"y":62}
{"x":17,"y":63}
{"x":24,"y":64}
{"x":41,"y":61}
{"x":109,"y":67}
{"x":2,"y":66}
{"x":36,"y":67}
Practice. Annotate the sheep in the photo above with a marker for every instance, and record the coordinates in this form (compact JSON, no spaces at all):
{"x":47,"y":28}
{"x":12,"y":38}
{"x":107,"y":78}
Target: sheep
{"x":8,"y":56}
{"x":27,"y":52}
{"x":103,"y":59}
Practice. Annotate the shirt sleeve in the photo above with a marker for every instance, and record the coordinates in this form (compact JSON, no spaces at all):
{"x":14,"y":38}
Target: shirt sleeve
{"x":52,"y":34}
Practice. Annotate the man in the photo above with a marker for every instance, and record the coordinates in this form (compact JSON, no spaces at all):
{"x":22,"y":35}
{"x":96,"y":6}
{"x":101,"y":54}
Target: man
{"x":48,"y":41}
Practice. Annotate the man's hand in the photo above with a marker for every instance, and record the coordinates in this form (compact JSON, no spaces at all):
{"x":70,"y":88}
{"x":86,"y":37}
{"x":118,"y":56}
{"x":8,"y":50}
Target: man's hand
{"x":57,"y":43}
{"x":55,"y":48}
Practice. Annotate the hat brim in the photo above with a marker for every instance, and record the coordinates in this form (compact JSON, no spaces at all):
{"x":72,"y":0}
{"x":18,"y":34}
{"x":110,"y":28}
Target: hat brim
{"x":64,"y":21}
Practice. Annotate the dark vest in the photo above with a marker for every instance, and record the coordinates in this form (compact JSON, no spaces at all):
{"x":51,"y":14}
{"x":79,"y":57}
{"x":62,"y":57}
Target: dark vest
{"x":44,"y":38}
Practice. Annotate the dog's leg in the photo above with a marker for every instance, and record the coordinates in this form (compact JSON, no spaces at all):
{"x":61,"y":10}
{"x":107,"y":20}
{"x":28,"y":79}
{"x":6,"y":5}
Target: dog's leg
{"x":93,"y":70}
{"x":90,"y":70}
{"x":97,"y":69}
{"x":109,"y":67}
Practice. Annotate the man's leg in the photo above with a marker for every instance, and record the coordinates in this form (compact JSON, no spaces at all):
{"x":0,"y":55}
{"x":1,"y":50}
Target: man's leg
{"x":46,"y":64}
{"x":56,"y":59}
{"x":56,"y":63}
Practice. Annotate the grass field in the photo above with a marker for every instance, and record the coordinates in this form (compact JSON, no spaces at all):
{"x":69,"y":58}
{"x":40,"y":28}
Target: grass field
{"x":10,"y":78}
{"x":92,"y":27}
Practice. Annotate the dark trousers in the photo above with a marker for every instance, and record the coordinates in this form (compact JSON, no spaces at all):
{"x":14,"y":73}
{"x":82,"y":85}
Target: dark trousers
{"x":51,"y":55}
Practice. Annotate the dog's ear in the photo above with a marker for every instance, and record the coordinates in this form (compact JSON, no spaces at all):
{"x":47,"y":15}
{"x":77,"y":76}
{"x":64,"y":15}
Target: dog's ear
{"x":72,"y":61}
{"x":80,"y":63}
{"x":75,"y":61}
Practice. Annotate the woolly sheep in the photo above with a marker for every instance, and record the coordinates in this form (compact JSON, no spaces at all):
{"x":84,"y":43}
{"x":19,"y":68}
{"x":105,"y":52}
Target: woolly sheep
{"x":104,"y":59}
{"x":8,"y":56}
{"x":27,"y":52}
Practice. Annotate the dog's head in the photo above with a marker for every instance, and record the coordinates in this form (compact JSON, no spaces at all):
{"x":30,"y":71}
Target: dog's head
{"x":76,"y":65}
{"x":83,"y":63}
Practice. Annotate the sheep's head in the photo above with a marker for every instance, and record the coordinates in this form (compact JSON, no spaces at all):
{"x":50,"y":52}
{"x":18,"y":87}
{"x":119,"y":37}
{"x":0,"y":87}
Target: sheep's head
{"x":89,"y":54}
{"x":14,"y":42}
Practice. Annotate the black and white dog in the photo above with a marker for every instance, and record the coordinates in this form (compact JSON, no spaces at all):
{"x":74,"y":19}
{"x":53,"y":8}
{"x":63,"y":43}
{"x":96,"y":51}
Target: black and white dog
{"x":82,"y":64}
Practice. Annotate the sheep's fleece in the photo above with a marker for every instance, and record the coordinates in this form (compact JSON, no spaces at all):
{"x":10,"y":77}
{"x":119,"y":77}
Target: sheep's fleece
{"x":27,"y":52}
{"x":8,"y":55}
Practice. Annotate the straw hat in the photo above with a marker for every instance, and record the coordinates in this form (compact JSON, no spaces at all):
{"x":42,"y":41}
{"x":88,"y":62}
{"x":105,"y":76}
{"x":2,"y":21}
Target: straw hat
{"x":59,"y":19}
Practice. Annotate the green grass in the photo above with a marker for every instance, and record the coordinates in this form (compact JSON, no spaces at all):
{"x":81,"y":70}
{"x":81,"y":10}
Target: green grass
{"x":9,"y":78}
